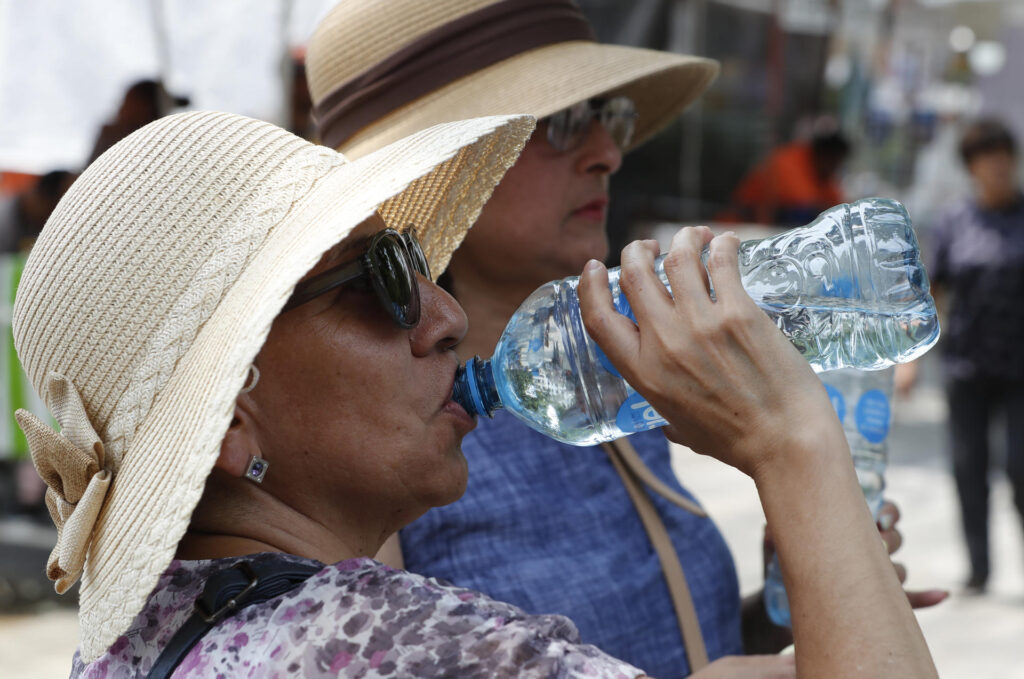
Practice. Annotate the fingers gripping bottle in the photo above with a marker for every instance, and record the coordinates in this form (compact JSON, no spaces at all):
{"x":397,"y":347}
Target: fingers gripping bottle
{"x":863,"y":401}
{"x":848,"y":290}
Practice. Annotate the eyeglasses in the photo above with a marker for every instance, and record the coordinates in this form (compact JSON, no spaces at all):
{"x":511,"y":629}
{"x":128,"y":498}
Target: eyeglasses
{"x":391,"y":262}
{"x":569,"y":127}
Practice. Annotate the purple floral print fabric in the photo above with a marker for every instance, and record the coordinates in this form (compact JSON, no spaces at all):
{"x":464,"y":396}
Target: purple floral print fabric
{"x":356,"y":618}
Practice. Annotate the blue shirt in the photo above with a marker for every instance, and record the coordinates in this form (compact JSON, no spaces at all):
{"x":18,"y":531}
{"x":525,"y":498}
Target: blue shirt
{"x":977,"y":255}
{"x":550,"y":527}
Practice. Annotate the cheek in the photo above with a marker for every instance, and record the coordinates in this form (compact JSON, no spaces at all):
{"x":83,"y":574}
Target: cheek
{"x":532,"y":195}
{"x":332,"y":382}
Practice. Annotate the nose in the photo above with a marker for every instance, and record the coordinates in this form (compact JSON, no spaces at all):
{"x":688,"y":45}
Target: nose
{"x":442,"y":324}
{"x":599,"y":154}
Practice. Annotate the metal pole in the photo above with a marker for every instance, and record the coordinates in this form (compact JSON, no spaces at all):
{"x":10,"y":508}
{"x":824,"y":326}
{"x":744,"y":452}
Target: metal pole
{"x":286,"y":69}
{"x":686,"y":35}
{"x":161,"y":39}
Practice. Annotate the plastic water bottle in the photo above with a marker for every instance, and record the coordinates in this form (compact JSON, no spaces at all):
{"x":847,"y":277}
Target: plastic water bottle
{"x":848,"y":290}
{"x":863,"y":401}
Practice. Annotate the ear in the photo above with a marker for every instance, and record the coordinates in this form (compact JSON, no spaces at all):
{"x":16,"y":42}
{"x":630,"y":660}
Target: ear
{"x":239,"y":444}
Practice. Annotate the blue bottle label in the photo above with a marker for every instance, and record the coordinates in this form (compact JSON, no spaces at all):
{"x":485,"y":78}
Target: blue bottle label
{"x":623,"y":307}
{"x":838,"y":402}
{"x":873,"y":416}
{"x":636,"y":414}
{"x":840,"y":286}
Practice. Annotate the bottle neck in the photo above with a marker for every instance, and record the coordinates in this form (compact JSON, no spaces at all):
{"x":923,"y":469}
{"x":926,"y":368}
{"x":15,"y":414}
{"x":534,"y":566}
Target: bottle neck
{"x":474,"y":388}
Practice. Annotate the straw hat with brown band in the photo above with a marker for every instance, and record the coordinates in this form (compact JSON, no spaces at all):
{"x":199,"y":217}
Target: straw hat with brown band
{"x":154,"y":285}
{"x":381,"y":69}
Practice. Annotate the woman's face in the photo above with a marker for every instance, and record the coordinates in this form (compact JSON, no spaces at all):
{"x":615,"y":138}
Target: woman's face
{"x":353,"y":413}
{"x":547,"y":217}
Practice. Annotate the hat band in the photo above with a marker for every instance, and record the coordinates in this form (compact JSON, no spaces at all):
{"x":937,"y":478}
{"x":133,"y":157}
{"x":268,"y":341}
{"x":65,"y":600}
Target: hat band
{"x":443,"y":55}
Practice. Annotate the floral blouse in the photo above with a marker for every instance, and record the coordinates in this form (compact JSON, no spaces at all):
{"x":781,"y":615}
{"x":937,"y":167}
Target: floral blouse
{"x":356,"y":618}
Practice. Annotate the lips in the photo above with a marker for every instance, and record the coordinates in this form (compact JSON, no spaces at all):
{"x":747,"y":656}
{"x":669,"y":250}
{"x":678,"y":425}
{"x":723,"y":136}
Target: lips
{"x":452,"y":407}
{"x":594,"y":209}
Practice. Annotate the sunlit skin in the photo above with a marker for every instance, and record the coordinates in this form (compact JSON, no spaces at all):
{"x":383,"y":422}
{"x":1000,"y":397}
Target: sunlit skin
{"x":355,"y":417}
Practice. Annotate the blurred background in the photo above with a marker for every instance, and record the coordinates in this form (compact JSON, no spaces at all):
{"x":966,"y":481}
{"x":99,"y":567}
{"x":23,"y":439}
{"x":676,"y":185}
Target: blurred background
{"x":873,"y":93}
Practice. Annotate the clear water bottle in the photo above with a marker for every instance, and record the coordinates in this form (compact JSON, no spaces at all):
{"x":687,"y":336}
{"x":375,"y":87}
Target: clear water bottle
{"x":863,"y":401}
{"x":848,"y":290}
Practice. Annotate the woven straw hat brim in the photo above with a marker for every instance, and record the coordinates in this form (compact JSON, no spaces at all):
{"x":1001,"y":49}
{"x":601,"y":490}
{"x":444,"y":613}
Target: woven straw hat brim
{"x":545,"y":80}
{"x":446,"y":173}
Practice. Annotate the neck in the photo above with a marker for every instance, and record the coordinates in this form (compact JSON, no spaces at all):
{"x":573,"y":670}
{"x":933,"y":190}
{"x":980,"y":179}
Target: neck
{"x":236,"y":517}
{"x":489,"y":308}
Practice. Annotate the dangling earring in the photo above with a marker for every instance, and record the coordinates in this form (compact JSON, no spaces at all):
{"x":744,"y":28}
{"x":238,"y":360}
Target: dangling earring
{"x":251,"y":379}
{"x":257,"y":469}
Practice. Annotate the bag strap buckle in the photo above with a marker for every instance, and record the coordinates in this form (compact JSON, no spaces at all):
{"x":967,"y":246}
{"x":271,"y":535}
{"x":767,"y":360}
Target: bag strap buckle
{"x":202,"y":607}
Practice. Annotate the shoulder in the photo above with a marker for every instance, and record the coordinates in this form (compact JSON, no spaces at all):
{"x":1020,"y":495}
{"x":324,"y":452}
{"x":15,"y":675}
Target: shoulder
{"x":362,"y":617}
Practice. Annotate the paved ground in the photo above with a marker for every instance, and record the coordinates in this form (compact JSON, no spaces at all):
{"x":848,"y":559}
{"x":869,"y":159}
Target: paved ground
{"x":970,"y":638}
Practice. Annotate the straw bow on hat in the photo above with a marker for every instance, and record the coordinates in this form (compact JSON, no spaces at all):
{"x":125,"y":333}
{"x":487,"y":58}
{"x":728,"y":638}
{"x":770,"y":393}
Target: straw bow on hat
{"x":154,"y":285}
{"x":381,"y":69}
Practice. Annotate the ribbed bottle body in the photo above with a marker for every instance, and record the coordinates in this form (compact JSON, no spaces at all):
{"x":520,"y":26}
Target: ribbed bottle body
{"x":848,"y":290}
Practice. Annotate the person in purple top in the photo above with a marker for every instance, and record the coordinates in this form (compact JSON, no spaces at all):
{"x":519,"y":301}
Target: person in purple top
{"x":976,"y":256}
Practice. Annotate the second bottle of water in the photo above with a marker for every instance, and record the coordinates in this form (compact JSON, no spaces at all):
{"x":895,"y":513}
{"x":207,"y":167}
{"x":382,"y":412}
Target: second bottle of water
{"x":863,"y":402}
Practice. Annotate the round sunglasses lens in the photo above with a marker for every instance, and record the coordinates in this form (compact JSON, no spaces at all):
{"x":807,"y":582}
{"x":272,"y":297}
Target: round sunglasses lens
{"x":618,"y":116}
{"x":395,"y":279}
{"x":419,"y":260}
{"x":567,"y":128}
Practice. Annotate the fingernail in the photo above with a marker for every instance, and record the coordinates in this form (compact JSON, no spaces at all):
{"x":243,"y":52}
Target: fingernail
{"x":885,"y":545}
{"x":885,"y":522}
{"x":593,"y":265}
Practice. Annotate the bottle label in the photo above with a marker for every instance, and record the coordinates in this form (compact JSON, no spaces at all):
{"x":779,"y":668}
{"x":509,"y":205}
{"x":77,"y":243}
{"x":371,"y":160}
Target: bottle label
{"x":838,"y":402}
{"x":623,"y":307}
{"x":873,"y":416}
{"x":636,"y":414}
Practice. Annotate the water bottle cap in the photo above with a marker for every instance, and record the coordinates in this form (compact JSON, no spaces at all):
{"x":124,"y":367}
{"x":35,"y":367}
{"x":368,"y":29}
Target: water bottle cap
{"x":474,"y":387}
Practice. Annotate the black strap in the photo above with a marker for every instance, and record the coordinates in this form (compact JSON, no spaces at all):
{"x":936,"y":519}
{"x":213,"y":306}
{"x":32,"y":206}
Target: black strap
{"x":226,"y":592}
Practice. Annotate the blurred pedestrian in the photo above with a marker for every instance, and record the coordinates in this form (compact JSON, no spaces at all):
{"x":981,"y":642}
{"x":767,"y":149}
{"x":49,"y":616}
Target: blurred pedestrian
{"x":795,"y":183}
{"x":976,"y":256}
{"x":144,"y":101}
{"x":22,"y":217}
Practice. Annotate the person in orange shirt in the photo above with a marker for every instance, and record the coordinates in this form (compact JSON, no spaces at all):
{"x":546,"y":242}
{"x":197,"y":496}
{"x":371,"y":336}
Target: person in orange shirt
{"x":795,"y":183}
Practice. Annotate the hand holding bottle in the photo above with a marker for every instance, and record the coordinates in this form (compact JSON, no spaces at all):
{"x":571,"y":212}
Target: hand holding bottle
{"x":726,"y":379}
{"x":731,"y":386}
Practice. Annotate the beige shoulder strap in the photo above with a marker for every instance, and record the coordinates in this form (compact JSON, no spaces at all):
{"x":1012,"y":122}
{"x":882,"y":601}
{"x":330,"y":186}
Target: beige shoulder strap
{"x":624,"y":458}
{"x":628,"y":455}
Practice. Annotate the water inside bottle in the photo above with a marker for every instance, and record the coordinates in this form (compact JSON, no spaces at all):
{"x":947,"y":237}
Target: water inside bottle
{"x":845,"y":295}
{"x":830,"y":334}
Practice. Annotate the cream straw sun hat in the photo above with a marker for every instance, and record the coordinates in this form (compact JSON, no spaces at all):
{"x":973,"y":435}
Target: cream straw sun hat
{"x":381,"y":69}
{"x":153,"y":287}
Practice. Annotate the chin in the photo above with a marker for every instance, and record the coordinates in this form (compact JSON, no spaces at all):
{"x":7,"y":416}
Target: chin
{"x":458,"y":486}
{"x":449,"y":483}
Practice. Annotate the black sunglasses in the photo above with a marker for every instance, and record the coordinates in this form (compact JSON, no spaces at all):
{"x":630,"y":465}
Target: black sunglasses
{"x":391,"y":262}
{"x":569,"y":127}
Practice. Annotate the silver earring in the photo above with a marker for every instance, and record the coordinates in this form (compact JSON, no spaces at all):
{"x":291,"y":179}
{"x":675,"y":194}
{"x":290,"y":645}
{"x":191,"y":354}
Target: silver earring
{"x":257,"y":469}
{"x":251,"y":379}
